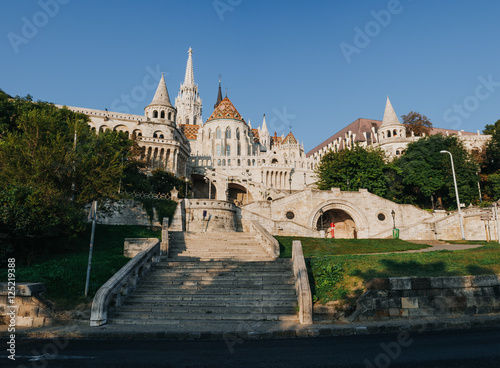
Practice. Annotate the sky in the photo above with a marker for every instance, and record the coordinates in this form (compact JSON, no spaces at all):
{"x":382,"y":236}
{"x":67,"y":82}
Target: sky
{"x":312,"y":66}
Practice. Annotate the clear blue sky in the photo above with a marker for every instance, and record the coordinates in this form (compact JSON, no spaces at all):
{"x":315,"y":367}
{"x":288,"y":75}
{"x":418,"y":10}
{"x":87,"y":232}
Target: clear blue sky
{"x":278,"y":57}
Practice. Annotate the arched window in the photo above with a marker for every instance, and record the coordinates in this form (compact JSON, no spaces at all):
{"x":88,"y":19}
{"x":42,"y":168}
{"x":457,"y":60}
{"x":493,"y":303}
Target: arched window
{"x":217,"y":133}
{"x":161,"y":136}
{"x":238,"y":149}
{"x":228,"y":133}
{"x":162,"y":115}
{"x":253,"y":162}
{"x":155,"y":135}
{"x":238,"y":133}
{"x":397,"y":153}
{"x":187,"y":121}
{"x":218,"y":162}
{"x":228,"y":150}
{"x":223,"y":162}
{"x":274,"y":161}
{"x":239,"y":162}
{"x":248,"y":162}
{"x":170,"y":116}
{"x":209,"y":133}
{"x":388,"y":134}
{"x":394,"y":133}
{"x":218,"y":150}
{"x":155,"y":114}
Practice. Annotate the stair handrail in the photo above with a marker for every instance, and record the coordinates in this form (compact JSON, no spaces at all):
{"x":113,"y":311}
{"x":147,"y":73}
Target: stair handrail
{"x":115,"y":290}
{"x":302,"y":284}
{"x":270,"y":244}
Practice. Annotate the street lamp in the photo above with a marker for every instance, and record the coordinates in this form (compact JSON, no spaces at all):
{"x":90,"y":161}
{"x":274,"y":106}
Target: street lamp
{"x":207,"y":180}
{"x":456,"y":193}
{"x":290,"y":182}
{"x":305,"y":182}
{"x":187,"y":180}
{"x":320,"y":218}
{"x":393,"y":219}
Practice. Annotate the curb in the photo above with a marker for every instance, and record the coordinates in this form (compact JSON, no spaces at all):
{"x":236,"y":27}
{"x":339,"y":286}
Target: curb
{"x":311,"y":331}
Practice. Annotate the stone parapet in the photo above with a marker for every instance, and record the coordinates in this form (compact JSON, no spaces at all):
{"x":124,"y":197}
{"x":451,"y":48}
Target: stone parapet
{"x":428,"y":297}
{"x":32,"y":309}
{"x":209,"y":215}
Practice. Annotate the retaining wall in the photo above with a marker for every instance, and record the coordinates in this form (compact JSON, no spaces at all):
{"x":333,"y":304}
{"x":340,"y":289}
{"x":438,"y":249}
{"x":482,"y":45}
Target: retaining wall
{"x":427,"y":297}
{"x":32,"y":309}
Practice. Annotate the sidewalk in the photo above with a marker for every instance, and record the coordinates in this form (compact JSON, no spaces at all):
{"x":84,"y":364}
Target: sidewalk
{"x":237,"y":331}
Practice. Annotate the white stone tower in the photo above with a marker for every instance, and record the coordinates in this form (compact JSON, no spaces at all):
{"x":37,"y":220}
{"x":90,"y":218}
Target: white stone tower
{"x":264,"y":136}
{"x":392,"y":134}
{"x":161,"y":107}
{"x":188,"y":102}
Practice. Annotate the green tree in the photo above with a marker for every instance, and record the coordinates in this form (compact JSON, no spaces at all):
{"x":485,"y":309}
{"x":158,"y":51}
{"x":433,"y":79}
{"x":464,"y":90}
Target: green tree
{"x":46,"y":177}
{"x":491,"y":163}
{"x":352,"y":169}
{"x":425,"y":171}
{"x":416,"y":123}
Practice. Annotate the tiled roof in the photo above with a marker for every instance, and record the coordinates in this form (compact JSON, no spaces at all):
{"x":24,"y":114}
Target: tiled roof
{"x":275,"y":140}
{"x":289,"y":139}
{"x":190,"y":131}
{"x":225,"y":110}
{"x":256,"y":137}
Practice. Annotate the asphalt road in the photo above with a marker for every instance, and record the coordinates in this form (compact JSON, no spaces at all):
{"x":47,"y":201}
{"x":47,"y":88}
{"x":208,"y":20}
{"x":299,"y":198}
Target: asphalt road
{"x":465,"y":348}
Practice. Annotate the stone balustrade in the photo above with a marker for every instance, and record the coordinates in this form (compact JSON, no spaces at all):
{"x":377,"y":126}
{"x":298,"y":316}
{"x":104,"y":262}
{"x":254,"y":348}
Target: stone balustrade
{"x":302,"y":284}
{"x":269,"y":243}
{"x":115,"y":290}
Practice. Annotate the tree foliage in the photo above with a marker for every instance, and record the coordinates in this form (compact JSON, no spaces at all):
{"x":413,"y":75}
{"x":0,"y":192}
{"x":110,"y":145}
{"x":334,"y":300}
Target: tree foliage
{"x":424,"y":171}
{"x":46,"y":176}
{"x":417,"y":123}
{"x":352,"y":169}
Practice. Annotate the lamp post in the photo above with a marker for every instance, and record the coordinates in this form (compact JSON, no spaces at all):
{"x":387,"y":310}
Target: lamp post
{"x":456,"y":193}
{"x":320,"y":219}
{"x":187,"y":180}
{"x":393,"y":219}
{"x":305,"y":182}
{"x":290,"y":182}
{"x":207,"y":180}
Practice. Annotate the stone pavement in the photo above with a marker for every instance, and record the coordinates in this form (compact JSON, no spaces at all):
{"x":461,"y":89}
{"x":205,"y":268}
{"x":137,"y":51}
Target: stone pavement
{"x":237,"y":331}
{"x":435,"y":246}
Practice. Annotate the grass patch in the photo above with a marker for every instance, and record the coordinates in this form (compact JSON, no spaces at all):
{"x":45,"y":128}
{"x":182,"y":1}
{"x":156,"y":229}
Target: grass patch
{"x":64,"y":273}
{"x":316,"y":247}
{"x":360,"y":268}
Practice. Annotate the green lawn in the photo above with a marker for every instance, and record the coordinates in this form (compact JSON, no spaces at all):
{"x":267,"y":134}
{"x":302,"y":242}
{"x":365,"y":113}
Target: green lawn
{"x":314,"y":247}
{"x":339,"y":268}
{"x":343,"y":277}
{"x":64,"y":273}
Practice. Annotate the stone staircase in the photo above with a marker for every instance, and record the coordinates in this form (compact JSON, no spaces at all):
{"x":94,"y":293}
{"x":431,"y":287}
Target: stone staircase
{"x":214,"y":278}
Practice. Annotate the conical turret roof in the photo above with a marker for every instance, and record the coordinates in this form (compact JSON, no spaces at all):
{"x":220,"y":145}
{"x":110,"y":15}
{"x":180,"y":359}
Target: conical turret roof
{"x":289,"y":139}
{"x":161,"y":95}
{"x":225,"y":110}
{"x":390,"y":117}
{"x":189,"y":76}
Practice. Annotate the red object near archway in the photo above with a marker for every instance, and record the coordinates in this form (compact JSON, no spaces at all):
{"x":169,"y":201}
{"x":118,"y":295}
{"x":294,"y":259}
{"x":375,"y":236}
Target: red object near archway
{"x":332,"y":225}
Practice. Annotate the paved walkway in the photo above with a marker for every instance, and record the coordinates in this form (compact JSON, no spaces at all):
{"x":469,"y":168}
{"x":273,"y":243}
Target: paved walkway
{"x":435,"y":245}
{"x":238,"y":331}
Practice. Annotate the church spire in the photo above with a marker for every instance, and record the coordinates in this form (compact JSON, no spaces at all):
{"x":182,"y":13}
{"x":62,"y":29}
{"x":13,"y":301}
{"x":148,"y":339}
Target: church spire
{"x":219,"y":96}
{"x":189,"y":76}
{"x":161,"y":96}
{"x":390,"y":117}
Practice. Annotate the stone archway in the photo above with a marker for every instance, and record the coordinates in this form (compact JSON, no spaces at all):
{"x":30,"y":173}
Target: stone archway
{"x":238,"y":194}
{"x":345,"y":227}
{"x":350,"y":222}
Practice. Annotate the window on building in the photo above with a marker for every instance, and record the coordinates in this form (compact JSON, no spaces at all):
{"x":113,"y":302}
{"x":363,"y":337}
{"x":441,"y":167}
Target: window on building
{"x":238,"y":133}
{"x":228,"y":150}
{"x":162,"y":115}
{"x":218,"y":150}
{"x":155,"y":114}
{"x":217,"y":133}
{"x":228,"y":133}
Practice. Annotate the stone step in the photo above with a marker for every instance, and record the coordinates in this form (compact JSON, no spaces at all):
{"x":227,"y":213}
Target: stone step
{"x":203,"y":272}
{"x":215,"y":287}
{"x":280,"y":262}
{"x":161,"y":316}
{"x":209,"y":301}
{"x":248,"y":259}
{"x":169,"y":279}
{"x":217,"y":283}
{"x":200,"y":295}
{"x":181,"y":309}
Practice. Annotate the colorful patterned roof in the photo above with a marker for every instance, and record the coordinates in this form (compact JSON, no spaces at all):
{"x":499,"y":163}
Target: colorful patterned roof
{"x":190,"y":131}
{"x":289,"y":139}
{"x":275,"y":140}
{"x":225,"y":110}
{"x":256,"y":137}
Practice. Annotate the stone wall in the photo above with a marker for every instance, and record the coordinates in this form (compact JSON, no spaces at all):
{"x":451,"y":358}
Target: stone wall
{"x":128,"y":212}
{"x":219,"y":215}
{"x":132,"y":246}
{"x":32,"y":310}
{"x":428,"y":297}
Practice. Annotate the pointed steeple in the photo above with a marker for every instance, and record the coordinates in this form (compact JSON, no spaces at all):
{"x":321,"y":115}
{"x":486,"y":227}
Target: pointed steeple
{"x":219,"y":96}
{"x":264,"y":126}
{"x":390,"y":117}
{"x":189,"y":77}
{"x":161,"y":95}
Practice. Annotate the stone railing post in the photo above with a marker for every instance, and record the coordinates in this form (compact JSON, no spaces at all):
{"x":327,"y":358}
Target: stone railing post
{"x":164,"y":237}
{"x":302,"y":284}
